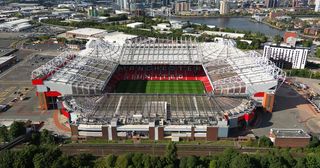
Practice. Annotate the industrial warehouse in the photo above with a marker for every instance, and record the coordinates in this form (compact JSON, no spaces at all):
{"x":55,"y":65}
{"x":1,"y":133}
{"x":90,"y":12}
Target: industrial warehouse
{"x":149,"y":88}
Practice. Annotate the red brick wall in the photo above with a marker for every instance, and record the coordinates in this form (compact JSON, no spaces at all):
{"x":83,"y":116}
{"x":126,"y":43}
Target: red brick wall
{"x":74,"y":130}
{"x":114,"y":133}
{"x":151,"y":133}
{"x":105,"y":132}
{"x":291,"y":142}
{"x":212,"y":133}
{"x":192,"y":134}
{"x":160,"y":133}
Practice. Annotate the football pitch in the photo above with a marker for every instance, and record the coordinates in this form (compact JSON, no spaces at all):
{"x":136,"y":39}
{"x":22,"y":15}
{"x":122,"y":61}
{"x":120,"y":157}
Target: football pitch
{"x":165,"y":87}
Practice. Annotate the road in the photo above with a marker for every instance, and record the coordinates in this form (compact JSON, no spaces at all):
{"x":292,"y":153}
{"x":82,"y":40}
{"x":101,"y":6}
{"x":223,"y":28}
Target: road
{"x":152,"y":149}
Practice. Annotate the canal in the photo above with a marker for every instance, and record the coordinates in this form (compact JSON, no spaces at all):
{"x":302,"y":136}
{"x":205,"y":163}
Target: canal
{"x":238,"y":23}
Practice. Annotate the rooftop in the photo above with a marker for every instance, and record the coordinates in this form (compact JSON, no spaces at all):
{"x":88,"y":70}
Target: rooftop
{"x":5,"y":59}
{"x":144,"y":108}
{"x":229,"y":69}
{"x":87,"y":31}
{"x":289,"y":133}
{"x":118,"y":37}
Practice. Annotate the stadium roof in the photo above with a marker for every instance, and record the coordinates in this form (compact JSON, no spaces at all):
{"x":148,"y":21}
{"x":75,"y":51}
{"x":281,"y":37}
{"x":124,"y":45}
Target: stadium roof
{"x":83,"y":75}
{"x":230,"y":70}
{"x":144,"y":108}
{"x":154,"y":52}
{"x":87,"y":31}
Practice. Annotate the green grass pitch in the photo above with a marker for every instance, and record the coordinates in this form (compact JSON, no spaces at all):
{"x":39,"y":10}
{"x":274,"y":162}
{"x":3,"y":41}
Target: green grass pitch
{"x":169,"y":87}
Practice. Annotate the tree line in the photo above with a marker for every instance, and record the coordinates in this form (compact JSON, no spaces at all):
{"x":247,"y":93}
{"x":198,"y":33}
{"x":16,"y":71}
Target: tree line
{"x":47,"y":154}
{"x":148,"y":31}
{"x":42,"y":151}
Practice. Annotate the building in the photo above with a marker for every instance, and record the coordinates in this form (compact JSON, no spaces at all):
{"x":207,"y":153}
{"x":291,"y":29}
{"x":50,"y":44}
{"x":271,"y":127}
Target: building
{"x":16,"y":25}
{"x":85,"y":33}
{"x":290,"y":38}
{"x":92,"y":11}
{"x":182,"y":6}
{"x":293,"y":138}
{"x":224,"y":7}
{"x":123,"y":4}
{"x":135,"y":25}
{"x":271,"y":3}
{"x":312,"y":31}
{"x":81,"y":85}
{"x":119,"y":38}
{"x":275,"y":14}
{"x":317,"y":6}
{"x":162,"y":26}
{"x":259,"y":17}
{"x":178,"y":24}
{"x":285,"y":56}
{"x":224,"y":34}
{"x":6,"y":62}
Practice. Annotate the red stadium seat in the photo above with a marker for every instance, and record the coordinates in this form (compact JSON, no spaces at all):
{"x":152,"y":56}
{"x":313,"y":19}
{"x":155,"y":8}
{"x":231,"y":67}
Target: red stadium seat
{"x":160,"y":72}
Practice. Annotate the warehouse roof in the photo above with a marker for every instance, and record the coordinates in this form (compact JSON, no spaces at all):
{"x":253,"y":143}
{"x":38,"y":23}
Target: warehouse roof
{"x":289,"y":133}
{"x":87,"y":31}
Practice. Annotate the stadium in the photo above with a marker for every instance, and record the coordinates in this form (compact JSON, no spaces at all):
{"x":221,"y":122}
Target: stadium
{"x":157,"y":88}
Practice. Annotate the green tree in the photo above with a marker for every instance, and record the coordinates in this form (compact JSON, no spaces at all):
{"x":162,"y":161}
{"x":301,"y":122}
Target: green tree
{"x":183,"y":162}
{"x":277,"y":39}
{"x":241,"y":161}
{"x":227,"y":155}
{"x":46,"y":137}
{"x":265,"y":142}
{"x":106,"y":162}
{"x":192,"y":161}
{"x":301,"y":163}
{"x":122,"y":161}
{"x":24,"y":158}
{"x":307,"y":43}
{"x":6,"y":159}
{"x":35,"y":138}
{"x":314,"y":142}
{"x":62,"y":161}
{"x":286,"y":155}
{"x":157,"y":162}
{"x":277,"y":162}
{"x":39,"y":161}
{"x":4,"y":134}
{"x":318,"y":52}
{"x":213,"y":164}
{"x":137,"y":160}
{"x":83,"y":160}
{"x":313,"y":160}
{"x":146,"y":160}
{"x":16,"y":129}
{"x":171,"y":153}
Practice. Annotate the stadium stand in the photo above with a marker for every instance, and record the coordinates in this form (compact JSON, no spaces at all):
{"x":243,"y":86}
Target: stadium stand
{"x":161,"y":73}
{"x":82,"y":85}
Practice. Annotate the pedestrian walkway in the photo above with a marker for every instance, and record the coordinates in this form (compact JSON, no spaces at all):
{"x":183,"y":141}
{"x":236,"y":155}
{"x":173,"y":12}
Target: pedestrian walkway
{"x":57,"y":122}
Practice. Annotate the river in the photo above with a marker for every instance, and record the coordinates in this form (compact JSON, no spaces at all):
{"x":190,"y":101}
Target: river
{"x":239,"y":23}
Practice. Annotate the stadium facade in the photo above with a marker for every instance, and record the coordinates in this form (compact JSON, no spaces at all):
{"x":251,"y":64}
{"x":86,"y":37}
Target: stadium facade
{"x":81,"y":84}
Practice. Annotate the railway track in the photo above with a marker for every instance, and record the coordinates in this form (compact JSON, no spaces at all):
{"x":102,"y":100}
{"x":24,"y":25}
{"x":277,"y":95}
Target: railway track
{"x":152,"y":149}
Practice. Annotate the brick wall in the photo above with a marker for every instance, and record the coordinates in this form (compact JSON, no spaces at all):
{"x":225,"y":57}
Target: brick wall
{"x":291,"y":142}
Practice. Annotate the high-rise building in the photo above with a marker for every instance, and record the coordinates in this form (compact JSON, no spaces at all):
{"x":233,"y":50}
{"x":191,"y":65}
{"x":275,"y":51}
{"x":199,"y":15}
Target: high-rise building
{"x":182,"y":6}
{"x":224,"y":7}
{"x":295,"y":3}
{"x":317,"y":7}
{"x":285,"y":56}
{"x":271,"y":3}
{"x":123,"y":4}
{"x":92,"y":11}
